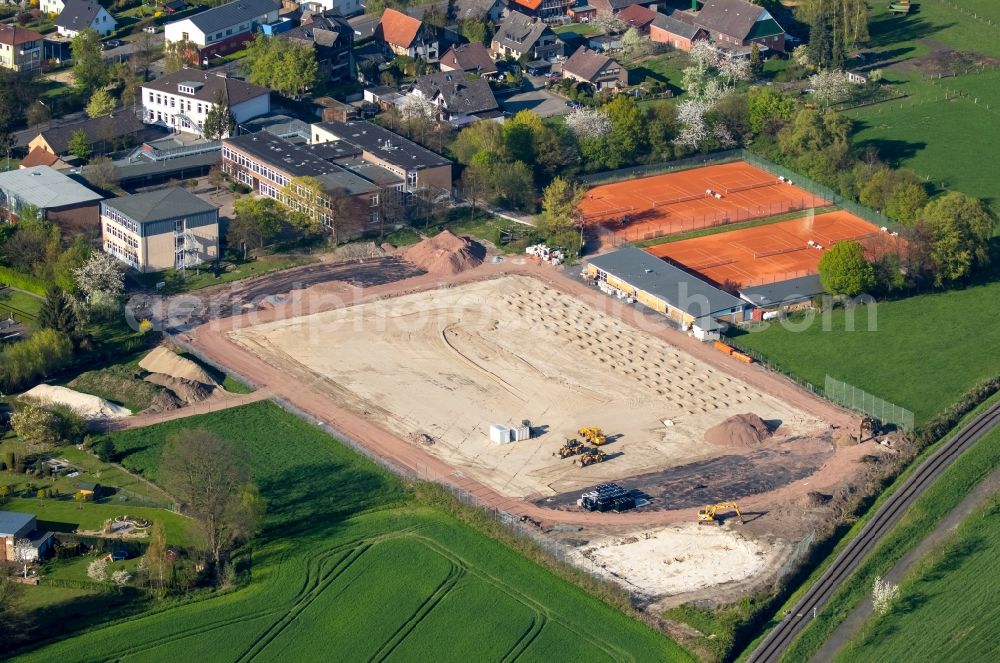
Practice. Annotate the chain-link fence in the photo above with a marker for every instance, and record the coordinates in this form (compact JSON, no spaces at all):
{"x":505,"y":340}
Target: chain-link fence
{"x":622,"y":174}
{"x":795,"y":558}
{"x":861,"y":401}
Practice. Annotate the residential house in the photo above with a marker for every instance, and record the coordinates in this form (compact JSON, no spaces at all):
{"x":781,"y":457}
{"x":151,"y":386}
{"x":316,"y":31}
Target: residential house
{"x":489,"y":10}
{"x":269,"y":164}
{"x":736,"y":24}
{"x":471,"y":58}
{"x":165,"y":229}
{"x":20,"y":49}
{"x":330,"y":109}
{"x":600,"y":71}
{"x":57,"y":197}
{"x":857,"y":76}
{"x":544,"y":9}
{"x":417,"y":166}
{"x":340,"y":7}
{"x":638,"y":17}
{"x":79,"y":15}
{"x":609,"y":8}
{"x":674,"y":32}
{"x":458,"y":98}
{"x":405,"y":35}
{"x":332,"y":37}
{"x":39,"y":156}
{"x":52,"y":7}
{"x":105,"y":134}
{"x":182,"y":100}
{"x":223,"y":29}
{"x":15,"y":527}
{"x":521,"y":36}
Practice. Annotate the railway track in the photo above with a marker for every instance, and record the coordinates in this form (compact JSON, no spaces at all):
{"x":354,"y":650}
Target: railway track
{"x":781,"y":636}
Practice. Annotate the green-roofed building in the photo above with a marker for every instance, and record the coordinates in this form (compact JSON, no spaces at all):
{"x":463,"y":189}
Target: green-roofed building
{"x":163,"y":229}
{"x":735,"y":25}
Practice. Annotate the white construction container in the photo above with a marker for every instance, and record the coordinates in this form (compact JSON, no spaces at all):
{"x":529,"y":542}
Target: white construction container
{"x":522,"y":432}
{"x":501,"y":434}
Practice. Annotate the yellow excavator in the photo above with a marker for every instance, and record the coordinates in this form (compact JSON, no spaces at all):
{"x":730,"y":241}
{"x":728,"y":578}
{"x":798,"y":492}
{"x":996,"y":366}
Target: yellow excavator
{"x":589,"y":456}
{"x":593,"y":435}
{"x":710,"y":514}
{"x":571,"y":448}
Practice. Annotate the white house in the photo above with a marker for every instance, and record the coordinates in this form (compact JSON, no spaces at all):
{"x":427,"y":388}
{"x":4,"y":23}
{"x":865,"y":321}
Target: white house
{"x":181,"y":100}
{"x":342,"y":7}
{"x":223,"y":29}
{"x":78,"y":15}
{"x":52,"y":6}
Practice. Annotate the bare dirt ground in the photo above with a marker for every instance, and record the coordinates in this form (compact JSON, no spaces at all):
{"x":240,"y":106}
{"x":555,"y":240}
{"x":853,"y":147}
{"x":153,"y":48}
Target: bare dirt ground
{"x":765,"y":480}
{"x":447,"y":363}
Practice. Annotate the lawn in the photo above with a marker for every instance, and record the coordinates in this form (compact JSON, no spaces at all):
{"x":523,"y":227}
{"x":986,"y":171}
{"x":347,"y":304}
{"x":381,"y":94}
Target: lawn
{"x":22,"y":305}
{"x":347,"y":559}
{"x":667,"y":68}
{"x":176,"y":281}
{"x":924,"y":352}
{"x":946,"y":611}
{"x":580,"y":29}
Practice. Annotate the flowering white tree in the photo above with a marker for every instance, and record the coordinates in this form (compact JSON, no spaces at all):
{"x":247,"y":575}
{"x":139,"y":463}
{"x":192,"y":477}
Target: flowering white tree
{"x":830,"y":86}
{"x":884,"y":594}
{"x":98,"y":570}
{"x":694,"y":129}
{"x":631,"y":39}
{"x":800,"y":54}
{"x":723,"y":135}
{"x":588,"y":123}
{"x":24,"y":552}
{"x":417,"y":106}
{"x":733,"y":70}
{"x":102,"y":277}
{"x":120,"y":577}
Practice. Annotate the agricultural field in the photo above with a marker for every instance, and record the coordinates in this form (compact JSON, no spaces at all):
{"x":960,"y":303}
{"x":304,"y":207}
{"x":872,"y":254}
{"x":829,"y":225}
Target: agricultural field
{"x":946,"y":611}
{"x":918,"y":362}
{"x":348,"y":559}
{"x":921,"y":55}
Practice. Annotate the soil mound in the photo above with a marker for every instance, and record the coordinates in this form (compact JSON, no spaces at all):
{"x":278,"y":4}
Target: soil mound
{"x":742,"y":431}
{"x":85,"y":405}
{"x":186,"y":391}
{"x":163,"y":360}
{"x":445,"y":254}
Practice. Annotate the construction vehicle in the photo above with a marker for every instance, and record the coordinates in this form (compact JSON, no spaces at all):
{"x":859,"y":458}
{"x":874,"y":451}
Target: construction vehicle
{"x":591,"y":455}
{"x":593,"y":435}
{"x":571,"y":448}
{"x":710,"y":514}
{"x":870,"y":427}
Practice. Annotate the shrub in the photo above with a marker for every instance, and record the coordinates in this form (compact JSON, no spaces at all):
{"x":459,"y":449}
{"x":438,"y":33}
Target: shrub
{"x":98,"y":570}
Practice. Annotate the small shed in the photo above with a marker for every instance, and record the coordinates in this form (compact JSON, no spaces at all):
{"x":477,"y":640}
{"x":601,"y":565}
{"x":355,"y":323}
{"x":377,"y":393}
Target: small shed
{"x":502,"y":434}
{"x":88,"y":489}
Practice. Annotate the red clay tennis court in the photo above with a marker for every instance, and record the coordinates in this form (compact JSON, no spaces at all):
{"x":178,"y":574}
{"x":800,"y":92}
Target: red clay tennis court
{"x":773,"y":252}
{"x":664,"y":204}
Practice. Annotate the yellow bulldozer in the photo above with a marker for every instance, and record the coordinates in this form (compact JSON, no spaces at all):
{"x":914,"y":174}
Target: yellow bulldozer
{"x":571,"y":448}
{"x":710,"y":514}
{"x":590,"y":455}
{"x":593,"y":435}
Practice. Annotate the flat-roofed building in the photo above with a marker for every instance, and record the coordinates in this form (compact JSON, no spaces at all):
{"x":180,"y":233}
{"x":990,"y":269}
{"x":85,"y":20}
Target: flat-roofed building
{"x":165,"y":229}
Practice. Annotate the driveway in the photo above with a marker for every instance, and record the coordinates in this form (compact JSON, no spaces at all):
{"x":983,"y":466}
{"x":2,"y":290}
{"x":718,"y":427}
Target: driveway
{"x":543,"y":102}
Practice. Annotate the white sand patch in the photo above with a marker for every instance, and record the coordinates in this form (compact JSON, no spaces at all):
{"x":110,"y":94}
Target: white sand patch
{"x":678,"y":559}
{"x":85,"y":405}
{"x":164,"y":360}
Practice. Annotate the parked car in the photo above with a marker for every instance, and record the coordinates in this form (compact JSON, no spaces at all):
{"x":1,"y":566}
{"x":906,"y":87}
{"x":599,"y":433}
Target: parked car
{"x":151,"y":29}
{"x":111,"y":43}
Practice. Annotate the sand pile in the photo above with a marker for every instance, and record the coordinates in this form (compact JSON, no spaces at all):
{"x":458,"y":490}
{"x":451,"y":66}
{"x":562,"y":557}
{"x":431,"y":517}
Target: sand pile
{"x":445,"y":254}
{"x":163,"y":360}
{"x":187,"y":391}
{"x":85,"y":405}
{"x":357,"y":251}
{"x":741,"y":431}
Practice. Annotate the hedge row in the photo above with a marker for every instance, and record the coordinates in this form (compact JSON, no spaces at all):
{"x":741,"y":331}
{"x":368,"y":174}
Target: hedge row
{"x":939,"y":426}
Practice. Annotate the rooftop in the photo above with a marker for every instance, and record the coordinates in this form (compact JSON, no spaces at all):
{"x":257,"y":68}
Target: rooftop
{"x":520,"y":31}
{"x":15,"y":36}
{"x":736,"y":18}
{"x":460,"y":94}
{"x":386,"y":145}
{"x":586,"y":63}
{"x":303,"y":160}
{"x":671,"y":284}
{"x":172,"y":203}
{"x":469,"y":57}
{"x":232,"y":13}
{"x":97,"y":129}
{"x":207,"y":86}
{"x":12,"y":522}
{"x":78,"y":14}
{"x":675,"y":24}
{"x":637,"y":15}
{"x":784,"y":292}
{"x":45,"y":188}
{"x":397,"y":28}
{"x":39,"y":157}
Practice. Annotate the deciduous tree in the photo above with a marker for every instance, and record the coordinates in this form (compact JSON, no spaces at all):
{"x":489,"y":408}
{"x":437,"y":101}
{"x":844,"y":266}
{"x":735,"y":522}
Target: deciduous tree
{"x":285,"y":66}
{"x":219,"y":120}
{"x":101,"y":103}
{"x":843,"y":270}
{"x":90,"y":71}
{"x":79,"y":144}
{"x":961,"y":227}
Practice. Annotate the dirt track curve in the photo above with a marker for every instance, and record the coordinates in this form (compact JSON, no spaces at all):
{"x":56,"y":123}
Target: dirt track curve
{"x":781,"y":637}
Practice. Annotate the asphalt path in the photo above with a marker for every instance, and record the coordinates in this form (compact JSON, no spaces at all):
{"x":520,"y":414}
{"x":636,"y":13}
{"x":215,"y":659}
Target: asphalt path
{"x":781,"y":636}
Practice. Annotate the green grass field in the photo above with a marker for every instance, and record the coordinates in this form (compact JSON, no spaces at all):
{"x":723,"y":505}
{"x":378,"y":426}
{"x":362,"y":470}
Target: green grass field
{"x":24,"y":306}
{"x":349,"y":563}
{"x":922,"y":356}
{"x":947,"y":611}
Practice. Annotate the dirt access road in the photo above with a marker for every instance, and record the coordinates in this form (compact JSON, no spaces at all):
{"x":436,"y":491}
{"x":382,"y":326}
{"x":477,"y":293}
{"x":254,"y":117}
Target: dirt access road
{"x":205,"y":333}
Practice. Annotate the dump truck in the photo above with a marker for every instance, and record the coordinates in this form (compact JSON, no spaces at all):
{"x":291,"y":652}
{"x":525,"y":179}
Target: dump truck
{"x":571,"y":448}
{"x":710,"y":514}
{"x":591,"y":455}
{"x":592,"y":435}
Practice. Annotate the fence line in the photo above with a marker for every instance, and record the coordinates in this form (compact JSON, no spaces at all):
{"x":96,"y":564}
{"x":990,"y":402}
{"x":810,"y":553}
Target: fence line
{"x":862,"y":401}
{"x":622,"y":174}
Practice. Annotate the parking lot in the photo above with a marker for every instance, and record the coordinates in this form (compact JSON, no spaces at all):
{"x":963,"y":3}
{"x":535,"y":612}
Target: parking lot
{"x":543,"y":102}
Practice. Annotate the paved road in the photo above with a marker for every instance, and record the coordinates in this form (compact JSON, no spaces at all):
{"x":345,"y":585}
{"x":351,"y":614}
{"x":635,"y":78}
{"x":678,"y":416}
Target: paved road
{"x":781,"y":637}
{"x":543,"y":102}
